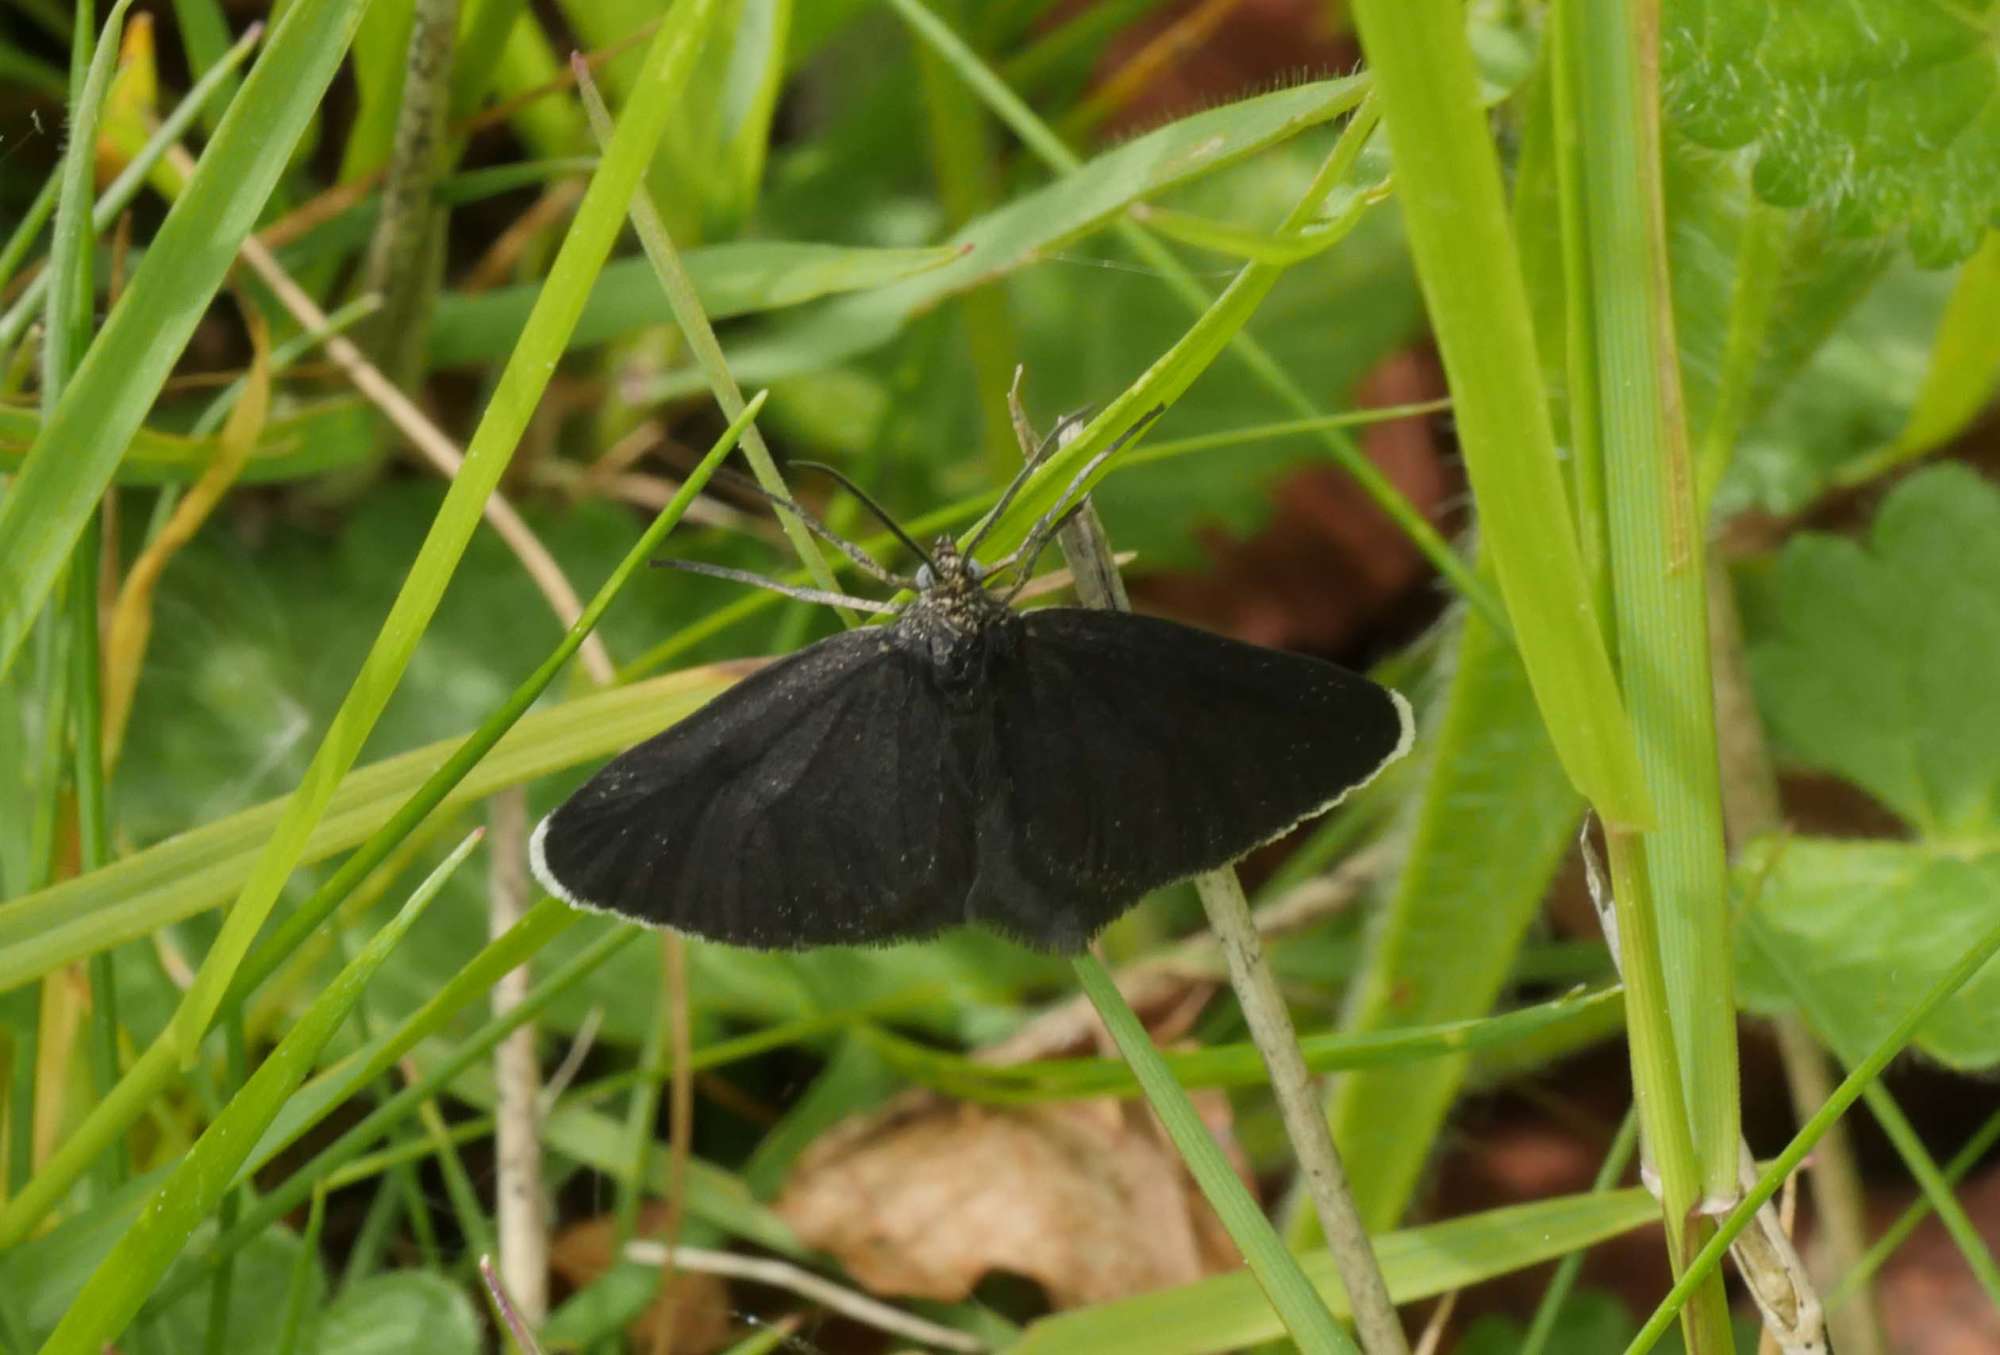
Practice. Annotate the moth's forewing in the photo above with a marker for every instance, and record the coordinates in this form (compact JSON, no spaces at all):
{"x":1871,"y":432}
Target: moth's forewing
{"x":815,"y":803}
{"x":1129,"y":752}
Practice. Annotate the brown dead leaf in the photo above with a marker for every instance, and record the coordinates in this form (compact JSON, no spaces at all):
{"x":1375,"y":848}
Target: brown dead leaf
{"x":700,"y":1303}
{"x":926,"y":1196}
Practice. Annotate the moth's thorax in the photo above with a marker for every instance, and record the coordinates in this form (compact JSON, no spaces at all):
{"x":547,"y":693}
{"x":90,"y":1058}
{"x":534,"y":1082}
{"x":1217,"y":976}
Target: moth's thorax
{"x":955,"y":625}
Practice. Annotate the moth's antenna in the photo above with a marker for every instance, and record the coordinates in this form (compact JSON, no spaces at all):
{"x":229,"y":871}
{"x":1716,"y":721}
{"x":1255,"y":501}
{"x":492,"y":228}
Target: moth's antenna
{"x":1022,"y":476}
{"x":867,"y":563}
{"x":773,"y":585}
{"x":881,"y":513}
{"x":1052,"y":521}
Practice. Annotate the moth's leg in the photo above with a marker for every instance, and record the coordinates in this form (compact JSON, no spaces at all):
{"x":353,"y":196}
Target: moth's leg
{"x":867,"y":563}
{"x":775,"y":586}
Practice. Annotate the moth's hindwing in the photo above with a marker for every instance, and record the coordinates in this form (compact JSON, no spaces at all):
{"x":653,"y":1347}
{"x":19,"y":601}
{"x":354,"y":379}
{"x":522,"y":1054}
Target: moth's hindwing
{"x":1130,"y":752}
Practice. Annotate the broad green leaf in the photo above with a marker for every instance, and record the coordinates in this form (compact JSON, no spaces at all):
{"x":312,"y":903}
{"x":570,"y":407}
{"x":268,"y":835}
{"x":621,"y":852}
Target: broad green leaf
{"x":1863,"y":927}
{"x":731,"y":279}
{"x":1229,"y":1312}
{"x":1495,"y":820}
{"x":73,"y":460}
{"x":1873,"y":660}
{"x":400,"y":1312}
{"x":1045,"y":219}
{"x":1883,"y":114}
{"x":257,"y":1285}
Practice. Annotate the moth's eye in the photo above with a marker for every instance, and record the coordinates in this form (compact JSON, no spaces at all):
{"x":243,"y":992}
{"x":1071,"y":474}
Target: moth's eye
{"x":975,"y":569}
{"x":925,"y":579}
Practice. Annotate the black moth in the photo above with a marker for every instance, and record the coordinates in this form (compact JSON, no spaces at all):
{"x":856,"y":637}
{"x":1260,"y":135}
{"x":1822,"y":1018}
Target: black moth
{"x":1037,"y":772}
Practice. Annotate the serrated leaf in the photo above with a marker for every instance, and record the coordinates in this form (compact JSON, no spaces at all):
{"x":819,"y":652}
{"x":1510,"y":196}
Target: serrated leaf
{"x":1884,"y":114}
{"x":1873,"y":661}
{"x":1862,"y":928}
{"x":1876,"y":658}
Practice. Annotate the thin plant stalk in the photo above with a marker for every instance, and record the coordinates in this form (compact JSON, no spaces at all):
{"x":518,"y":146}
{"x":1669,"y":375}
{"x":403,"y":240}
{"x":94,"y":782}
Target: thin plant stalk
{"x":1098,"y":585}
{"x":1659,"y":580}
{"x":520,"y":1214}
{"x":700,"y":334}
{"x":406,"y":254}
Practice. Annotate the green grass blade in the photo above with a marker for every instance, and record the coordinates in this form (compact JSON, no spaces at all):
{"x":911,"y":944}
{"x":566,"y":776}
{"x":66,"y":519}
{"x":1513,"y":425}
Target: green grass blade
{"x":1951,"y":1213}
{"x":1227,"y":1312}
{"x":73,"y":459}
{"x":1245,"y":242}
{"x":120,"y":192}
{"x":519,"y":389}
{"x":1239,"y":1065}
{"x":1011,"y":109}
{"x":67,"y":317}
{"x":296,"y":1189}
{"x":204,"y":867}
{"x":121,"y":1283}
{"x":1659,"y":575}
{"x":443,"y":774}
{"x":699,"y":333}
{"x":1031,"y":225}
{"x":1455,"y":215}
{"x":1969,"y":1155}
{"x":352,"y":1076}
{"x":1301,"y":1307}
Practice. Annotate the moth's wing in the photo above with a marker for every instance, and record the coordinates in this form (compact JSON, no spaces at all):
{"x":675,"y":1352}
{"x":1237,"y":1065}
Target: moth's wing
{"x":1130,"y":752}
{"x":814,"y":803}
